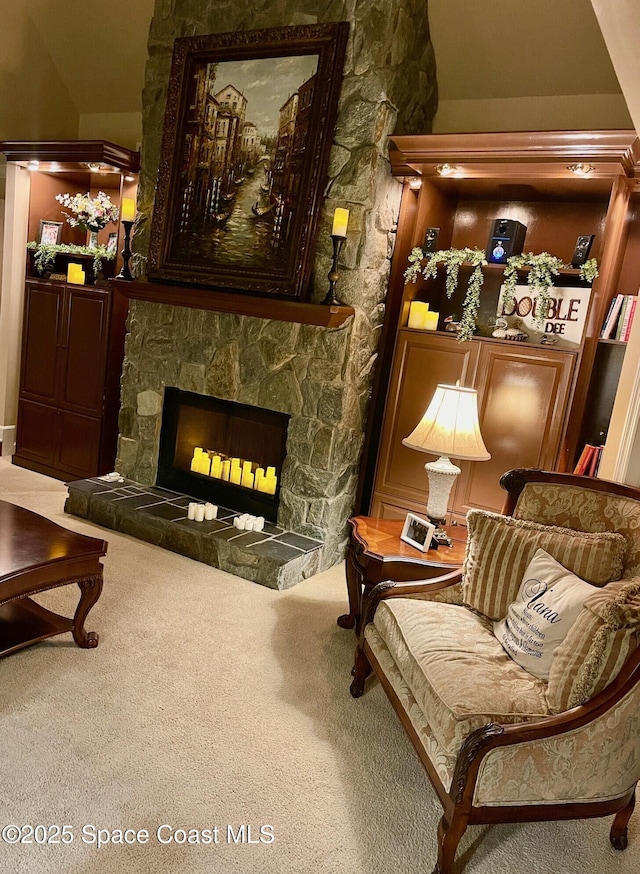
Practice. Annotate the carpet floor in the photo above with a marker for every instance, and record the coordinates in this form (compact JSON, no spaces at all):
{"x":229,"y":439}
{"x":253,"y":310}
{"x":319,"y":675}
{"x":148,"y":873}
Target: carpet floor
{"x":213,"y":703}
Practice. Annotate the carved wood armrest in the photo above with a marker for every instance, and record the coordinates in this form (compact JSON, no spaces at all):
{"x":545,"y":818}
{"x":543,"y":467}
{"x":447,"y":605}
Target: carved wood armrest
{"x":389,"y":589}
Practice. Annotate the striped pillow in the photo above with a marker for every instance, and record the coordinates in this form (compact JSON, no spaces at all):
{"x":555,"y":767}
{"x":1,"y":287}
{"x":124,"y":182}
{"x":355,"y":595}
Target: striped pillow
{"x":599,"y":642}
{"x":499,"y":548}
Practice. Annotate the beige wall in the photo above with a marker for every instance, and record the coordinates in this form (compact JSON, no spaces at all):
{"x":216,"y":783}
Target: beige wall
{"x":123,"y":128}
{"x":563,"y":112}
{"x":35,"y":102}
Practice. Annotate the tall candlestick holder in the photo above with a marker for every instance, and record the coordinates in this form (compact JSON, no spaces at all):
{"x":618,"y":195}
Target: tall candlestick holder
{"x":125,"y":273}
{"x":333,"y":275}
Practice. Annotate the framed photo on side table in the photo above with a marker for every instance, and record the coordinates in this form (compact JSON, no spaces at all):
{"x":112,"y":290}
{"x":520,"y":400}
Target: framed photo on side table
{"x":112,"y":243}
{"x":50,"y":232}
{"x":417,"y":532}
{"x":245,"y":151}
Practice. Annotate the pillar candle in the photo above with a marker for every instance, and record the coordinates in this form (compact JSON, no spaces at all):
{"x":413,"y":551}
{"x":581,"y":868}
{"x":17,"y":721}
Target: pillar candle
{"x":210,"y":511}
{"x":340,"y":222}
{"x":216,"y":466}
{"x":270,"y":484}
{"x":226,"y":470}
{"x":235,"y":476}
{"x":199,"y":512}
{"x":258,"y":525}
{"x":431,"y":321}
{"x":271,"y":471}
{"x":258,"y":477}
{"x":128,"y":213}
{"x":191,"y":511}
{"x":204,"y":464}
{"x":418,"y":312}
{"x":247,"y":479}
{"x":248,"y":525}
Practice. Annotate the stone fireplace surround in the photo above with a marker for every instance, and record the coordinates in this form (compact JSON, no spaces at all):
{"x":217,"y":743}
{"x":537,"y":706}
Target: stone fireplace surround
{"x":320,"y":376}
{"x":302,"y":370}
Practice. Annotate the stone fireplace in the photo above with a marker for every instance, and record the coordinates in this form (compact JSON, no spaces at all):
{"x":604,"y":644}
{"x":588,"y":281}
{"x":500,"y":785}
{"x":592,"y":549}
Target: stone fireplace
{"x":320,"y":377}
{"x":302,"y":371}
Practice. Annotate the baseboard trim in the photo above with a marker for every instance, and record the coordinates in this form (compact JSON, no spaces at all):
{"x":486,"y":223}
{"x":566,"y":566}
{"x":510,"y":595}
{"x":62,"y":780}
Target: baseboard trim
{"x":7,"y":439}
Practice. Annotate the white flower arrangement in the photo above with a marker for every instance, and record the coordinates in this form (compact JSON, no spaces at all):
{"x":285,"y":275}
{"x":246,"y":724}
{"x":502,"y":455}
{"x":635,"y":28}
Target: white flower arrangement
{"x":89,"y":213}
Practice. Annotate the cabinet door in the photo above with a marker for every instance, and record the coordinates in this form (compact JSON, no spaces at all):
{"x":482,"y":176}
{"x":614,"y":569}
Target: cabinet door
{"x":38,"y":432}
{"x":422,"y":360}
{"x":522,"y":397}
{"x":41,"y":342}
{"x":79,"y":444}
{"x":86,"y":320}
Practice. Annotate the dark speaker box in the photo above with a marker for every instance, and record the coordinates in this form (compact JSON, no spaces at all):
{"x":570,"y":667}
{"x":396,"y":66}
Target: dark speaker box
{"x":431,"y":240}
{"x":582,"y":249}
{"x":506,"y":239}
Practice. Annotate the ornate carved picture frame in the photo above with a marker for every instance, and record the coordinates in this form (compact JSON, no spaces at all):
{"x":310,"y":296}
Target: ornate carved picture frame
{"x":247,"y":133}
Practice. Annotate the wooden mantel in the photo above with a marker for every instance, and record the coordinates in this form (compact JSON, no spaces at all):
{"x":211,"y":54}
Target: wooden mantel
{"x":326,"y":316}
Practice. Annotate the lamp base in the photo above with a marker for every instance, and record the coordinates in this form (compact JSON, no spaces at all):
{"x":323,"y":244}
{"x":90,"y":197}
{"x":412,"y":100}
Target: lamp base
{"x":442,"y":475}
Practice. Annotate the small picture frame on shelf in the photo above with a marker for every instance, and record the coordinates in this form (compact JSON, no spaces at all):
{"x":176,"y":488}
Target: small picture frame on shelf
{"x":112,"y":243}
{"x":50,"y":233}
{"x":417,"y":532}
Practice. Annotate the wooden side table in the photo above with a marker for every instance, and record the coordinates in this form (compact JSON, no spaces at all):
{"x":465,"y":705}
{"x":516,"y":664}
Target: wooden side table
{"x":375,"y":553}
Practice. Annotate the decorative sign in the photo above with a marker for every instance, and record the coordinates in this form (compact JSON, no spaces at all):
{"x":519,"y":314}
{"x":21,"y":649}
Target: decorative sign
{"x":566,"y":318}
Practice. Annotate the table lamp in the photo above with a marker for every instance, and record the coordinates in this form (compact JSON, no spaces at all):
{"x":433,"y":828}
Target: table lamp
{"x":449,"y":427}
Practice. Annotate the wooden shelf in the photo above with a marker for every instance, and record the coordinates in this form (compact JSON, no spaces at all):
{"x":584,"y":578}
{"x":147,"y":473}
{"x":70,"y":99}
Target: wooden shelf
{"x":71,"y":154}
{"x":236,"y":302}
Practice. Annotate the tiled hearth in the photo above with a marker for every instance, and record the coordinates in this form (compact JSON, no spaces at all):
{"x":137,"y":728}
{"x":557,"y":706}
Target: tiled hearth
{"x":273,"y":557}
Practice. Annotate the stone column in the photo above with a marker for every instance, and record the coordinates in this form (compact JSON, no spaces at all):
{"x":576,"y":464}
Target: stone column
{"x":324,"y":376}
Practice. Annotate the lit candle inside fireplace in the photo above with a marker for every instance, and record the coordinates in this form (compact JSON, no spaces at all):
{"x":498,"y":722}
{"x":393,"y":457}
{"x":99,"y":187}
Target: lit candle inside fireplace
{"x":216,"y":466}
{"x":270,"y":483}
{"x":236,"y":475}
{"x":205,"y":464}
{"x":247,"y":479}
{"x":226,"y":470}
{"x":258,"y":478}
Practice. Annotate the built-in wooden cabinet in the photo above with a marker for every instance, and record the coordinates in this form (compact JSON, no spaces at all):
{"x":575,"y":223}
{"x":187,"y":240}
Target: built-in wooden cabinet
{"x":522,"y":396}
{"x":72,"y":349}
{"x":69,"y":354}
{"x":537,"y":403}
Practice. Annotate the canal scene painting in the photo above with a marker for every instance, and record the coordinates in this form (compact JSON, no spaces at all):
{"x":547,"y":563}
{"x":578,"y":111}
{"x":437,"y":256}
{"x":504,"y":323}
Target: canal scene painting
{"x":247,"y":162}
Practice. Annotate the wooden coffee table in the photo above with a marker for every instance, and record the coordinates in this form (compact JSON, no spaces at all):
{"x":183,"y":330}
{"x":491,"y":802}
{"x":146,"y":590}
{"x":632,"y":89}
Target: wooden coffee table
{"x":36,"y":555}
{"x":376,"y":553}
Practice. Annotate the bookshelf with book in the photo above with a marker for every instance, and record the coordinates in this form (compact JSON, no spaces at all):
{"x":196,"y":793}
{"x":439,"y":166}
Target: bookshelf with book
{"x":589,"y":460}
{"x":619,"y":319}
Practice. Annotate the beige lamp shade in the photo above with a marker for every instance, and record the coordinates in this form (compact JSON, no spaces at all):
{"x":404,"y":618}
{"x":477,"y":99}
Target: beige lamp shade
{"x":450,"y":426}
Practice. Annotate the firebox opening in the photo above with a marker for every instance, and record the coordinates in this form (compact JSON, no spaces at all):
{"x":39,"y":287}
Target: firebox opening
{"x":222,"y":451}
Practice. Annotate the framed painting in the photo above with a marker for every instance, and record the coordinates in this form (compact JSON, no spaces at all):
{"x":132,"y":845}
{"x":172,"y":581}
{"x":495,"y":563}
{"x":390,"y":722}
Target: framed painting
{"x":247,"y":133}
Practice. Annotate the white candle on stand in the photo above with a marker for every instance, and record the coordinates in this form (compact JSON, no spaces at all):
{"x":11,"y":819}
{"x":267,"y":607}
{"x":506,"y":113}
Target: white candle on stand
{"x":199,"y":512}
{"x":191,"y":511}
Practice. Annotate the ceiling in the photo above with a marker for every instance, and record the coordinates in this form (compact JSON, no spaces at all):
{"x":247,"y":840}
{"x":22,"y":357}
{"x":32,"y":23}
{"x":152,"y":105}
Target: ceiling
{"x":483,"y":49}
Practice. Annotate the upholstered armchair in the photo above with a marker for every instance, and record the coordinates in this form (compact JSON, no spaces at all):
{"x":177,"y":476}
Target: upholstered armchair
{"x":500,"y":743}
